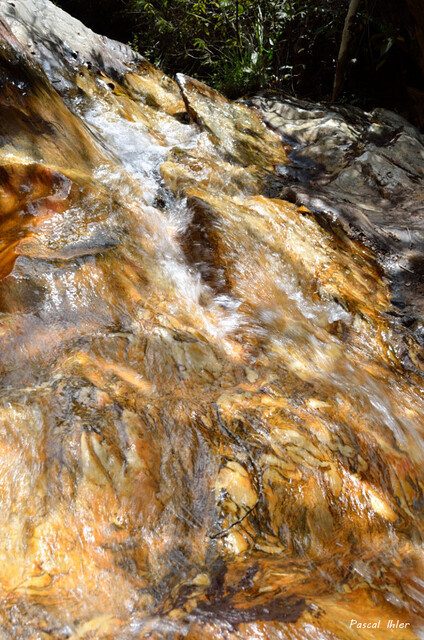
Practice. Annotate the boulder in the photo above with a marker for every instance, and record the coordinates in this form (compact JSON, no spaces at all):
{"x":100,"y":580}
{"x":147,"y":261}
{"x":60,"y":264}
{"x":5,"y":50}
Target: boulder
{"x":211,"y":407}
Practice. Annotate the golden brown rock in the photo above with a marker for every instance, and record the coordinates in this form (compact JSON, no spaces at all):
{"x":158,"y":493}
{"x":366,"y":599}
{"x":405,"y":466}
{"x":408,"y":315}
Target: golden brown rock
{"x":207,"y":426}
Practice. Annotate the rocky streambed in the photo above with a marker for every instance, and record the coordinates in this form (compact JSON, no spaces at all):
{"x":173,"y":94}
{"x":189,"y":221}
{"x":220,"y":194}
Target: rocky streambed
{"x":211,"y":400}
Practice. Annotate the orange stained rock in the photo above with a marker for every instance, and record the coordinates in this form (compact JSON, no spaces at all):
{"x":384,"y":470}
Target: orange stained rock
{"x":209,"y":423}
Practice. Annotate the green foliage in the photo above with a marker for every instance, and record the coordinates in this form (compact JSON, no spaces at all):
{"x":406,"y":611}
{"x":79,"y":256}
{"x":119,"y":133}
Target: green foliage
{"x":242,"y":46}
{"x":238,"y":45}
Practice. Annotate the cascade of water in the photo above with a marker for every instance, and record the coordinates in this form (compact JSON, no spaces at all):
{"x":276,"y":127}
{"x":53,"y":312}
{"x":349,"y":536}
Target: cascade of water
{"x":206,"y":424}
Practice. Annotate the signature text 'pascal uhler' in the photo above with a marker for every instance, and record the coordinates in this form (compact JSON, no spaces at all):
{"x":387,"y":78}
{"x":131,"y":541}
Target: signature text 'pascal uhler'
{"x":390,"y":624}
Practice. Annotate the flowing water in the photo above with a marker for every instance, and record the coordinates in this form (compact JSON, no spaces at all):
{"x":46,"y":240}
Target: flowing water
{"x":211,"y":425}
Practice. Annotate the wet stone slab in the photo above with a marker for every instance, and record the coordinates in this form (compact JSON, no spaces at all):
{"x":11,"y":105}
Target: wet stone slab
{"x":211,"y":409}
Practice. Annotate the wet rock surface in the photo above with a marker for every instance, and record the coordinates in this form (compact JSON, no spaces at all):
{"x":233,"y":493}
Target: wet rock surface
{"x":365,"y":170}
{"x":211,"y":417}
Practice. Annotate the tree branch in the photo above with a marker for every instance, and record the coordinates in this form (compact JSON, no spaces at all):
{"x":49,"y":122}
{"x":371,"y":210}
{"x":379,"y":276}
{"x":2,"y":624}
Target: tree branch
{"x":344,"y":48}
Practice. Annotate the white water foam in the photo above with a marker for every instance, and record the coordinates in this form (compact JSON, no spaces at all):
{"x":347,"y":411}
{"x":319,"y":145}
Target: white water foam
{"x":139,"y":157}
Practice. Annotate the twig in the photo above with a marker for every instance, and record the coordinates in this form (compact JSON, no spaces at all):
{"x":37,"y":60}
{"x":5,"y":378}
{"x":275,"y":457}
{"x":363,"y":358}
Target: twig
{"x":241,"y":444}
{"x":224,"y":532}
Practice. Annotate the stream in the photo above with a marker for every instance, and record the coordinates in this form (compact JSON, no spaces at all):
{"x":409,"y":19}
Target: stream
{"x":211,"y":398}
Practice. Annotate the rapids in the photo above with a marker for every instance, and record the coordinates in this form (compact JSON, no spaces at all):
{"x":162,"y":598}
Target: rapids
{"x":211,"y":410}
